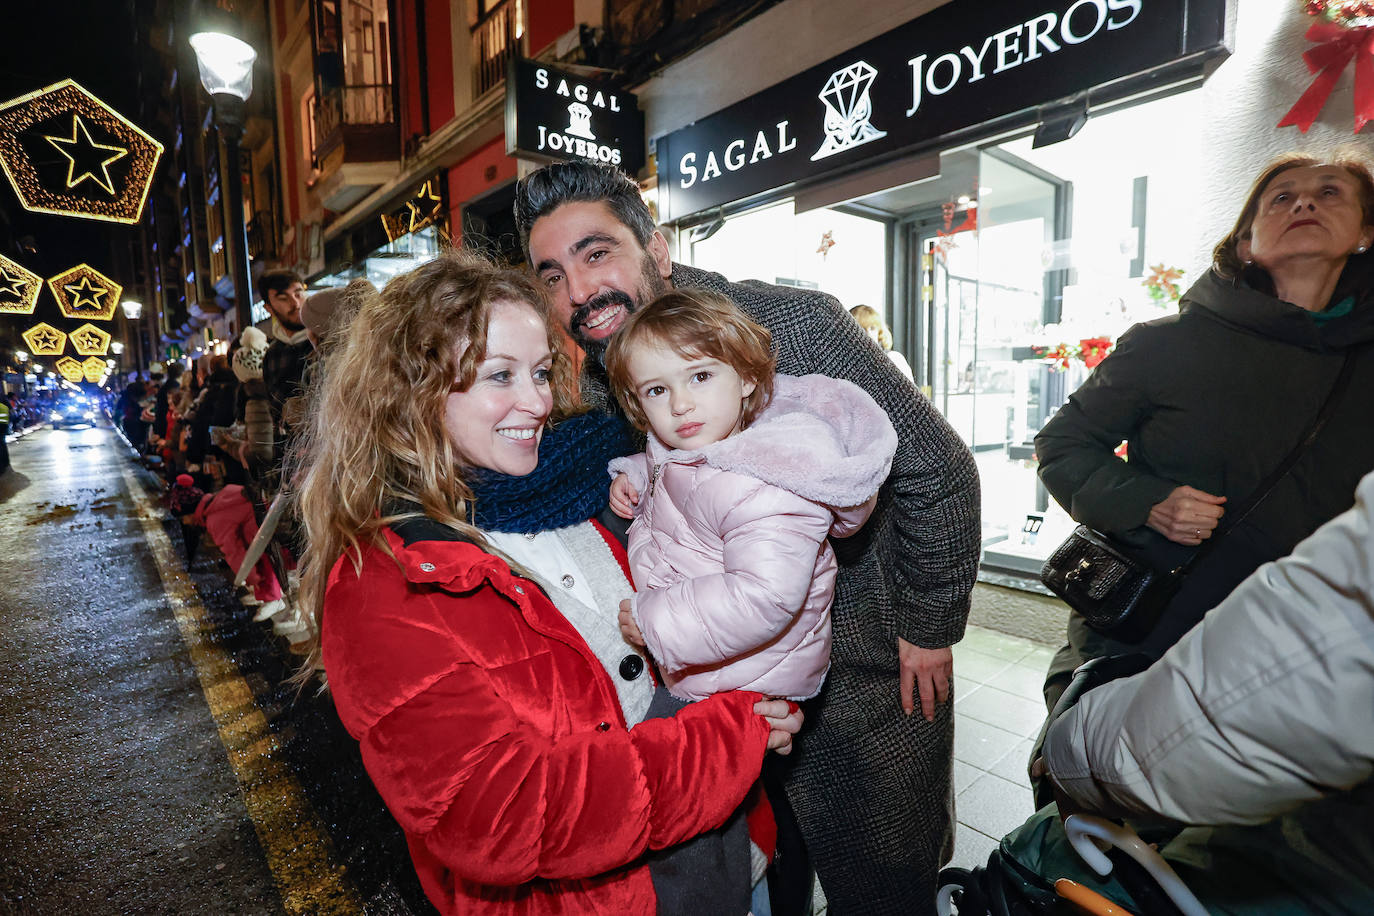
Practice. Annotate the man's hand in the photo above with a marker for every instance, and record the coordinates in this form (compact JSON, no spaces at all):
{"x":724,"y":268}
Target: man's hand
{"x":624,"y":497}
{"x":925,"y":673}
{"x":1187,"y":516}
{"x":628,"y":628}
{"x":784,"y":720}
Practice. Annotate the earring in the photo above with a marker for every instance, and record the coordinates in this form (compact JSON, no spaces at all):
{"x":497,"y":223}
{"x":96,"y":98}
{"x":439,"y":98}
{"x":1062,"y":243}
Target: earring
{"x":1362,"y":249}
{"x":1249,"y":263}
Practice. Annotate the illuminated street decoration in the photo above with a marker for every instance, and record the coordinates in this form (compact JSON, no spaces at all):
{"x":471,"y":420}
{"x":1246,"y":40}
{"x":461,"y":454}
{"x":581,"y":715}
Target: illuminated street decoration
{"x":19,"y":288}
{"x":67,"y":152}
{"x":84,"y":292}
{"x":93,"y":368}
{"x":70,"y":369}
{"x":45,"y":340}
{"x":89,"y":340}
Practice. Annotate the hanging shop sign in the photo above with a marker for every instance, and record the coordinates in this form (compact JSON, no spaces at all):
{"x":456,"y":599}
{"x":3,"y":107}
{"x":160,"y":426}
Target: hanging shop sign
{"x":84,"y":292}
{"x":45,"y":340}
{"x":963,"y":64}
{"x":557,"y":114}
{"x":89,"y":340}
{"x":66,"y":152}
{"x":19,"y":288}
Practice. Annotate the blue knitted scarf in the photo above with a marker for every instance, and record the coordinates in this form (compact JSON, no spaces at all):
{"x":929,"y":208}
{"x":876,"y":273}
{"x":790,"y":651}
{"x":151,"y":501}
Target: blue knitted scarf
{"x":570,"y":484}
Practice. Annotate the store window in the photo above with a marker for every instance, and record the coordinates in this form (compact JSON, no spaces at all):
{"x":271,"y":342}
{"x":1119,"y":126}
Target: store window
{"x":1012,"y":272}
{"x":836,"y":252}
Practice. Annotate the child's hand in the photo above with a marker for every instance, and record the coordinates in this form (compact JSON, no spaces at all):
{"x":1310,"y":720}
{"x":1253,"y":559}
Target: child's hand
{"x":624,"y":498}
{"x":628,"y":628}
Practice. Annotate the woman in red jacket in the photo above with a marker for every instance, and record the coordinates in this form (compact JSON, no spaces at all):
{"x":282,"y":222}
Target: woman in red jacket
{"x":495,"y":724}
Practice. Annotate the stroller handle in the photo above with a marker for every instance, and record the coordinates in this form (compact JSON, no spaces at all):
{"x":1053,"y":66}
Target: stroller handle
{"x":1084,"y":829}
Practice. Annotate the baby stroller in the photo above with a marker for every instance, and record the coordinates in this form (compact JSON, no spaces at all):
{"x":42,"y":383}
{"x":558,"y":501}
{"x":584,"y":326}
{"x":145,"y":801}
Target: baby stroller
{"x":1015,"y":881}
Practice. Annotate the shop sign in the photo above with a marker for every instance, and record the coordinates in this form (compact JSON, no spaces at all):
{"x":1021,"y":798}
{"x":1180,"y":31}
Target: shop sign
{"x":558,"y":114}
{"x":958,"y":66}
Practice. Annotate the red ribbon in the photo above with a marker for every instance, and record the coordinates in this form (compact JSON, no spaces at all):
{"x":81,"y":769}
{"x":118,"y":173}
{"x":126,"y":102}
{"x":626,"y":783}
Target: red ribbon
{"x":1340,"y":45}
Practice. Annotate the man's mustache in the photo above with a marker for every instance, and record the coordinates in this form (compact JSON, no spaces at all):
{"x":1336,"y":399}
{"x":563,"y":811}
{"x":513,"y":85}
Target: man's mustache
{"x":597,"y":303}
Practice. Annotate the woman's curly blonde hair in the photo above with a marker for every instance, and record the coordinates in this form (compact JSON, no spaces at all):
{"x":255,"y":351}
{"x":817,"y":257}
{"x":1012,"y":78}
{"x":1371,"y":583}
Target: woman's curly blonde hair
{"x":375,"y":449}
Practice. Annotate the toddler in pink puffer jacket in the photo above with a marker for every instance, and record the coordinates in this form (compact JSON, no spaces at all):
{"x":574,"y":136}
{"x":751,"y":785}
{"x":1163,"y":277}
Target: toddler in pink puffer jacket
{"x":746,"y":476}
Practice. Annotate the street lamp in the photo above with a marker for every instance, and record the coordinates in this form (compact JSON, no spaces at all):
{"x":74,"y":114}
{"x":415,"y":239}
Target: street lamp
{"x":117,"y":348}
{"x":132,"y":309}
{"x":226,"y":72}
{"x":21,"y":356}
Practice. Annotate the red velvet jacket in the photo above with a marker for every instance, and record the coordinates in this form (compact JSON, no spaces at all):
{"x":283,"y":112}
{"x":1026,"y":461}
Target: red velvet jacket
{"x":495,"y":737}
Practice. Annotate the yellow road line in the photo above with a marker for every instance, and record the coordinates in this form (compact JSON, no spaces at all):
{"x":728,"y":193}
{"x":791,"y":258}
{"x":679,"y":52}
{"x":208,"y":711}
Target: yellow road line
{"x":298,"y":848}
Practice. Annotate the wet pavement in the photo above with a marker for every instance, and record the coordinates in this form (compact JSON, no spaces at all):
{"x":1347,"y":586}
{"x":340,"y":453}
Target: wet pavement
{"x":152,"y":759}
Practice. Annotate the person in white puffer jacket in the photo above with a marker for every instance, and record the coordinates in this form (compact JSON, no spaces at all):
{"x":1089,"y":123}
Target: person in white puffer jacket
{"x":746,"y":476}
{"x":1258,"y":726}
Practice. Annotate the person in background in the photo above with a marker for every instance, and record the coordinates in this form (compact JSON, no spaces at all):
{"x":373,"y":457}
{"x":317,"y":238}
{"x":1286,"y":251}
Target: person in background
{"x":1257,"y":726}
{"x":465,"y":602}
{"x":872,"y":323}
{"x":4,"y":431}
{"x":871,"y":783}
{"x":1211,"y":400}
{"x":283,"y":293}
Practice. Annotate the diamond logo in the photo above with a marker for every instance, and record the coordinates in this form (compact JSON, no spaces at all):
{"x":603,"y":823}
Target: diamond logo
{"x":84,"y":292}
{"x":847,"y":110}
{"x":45,"y":340}
{"x":67,"y":152}
{"x":19,"y":288}
{"x":580,"y":121}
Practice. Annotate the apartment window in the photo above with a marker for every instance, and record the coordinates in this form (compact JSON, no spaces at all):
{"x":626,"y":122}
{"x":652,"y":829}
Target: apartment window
{"x":497,"y":27}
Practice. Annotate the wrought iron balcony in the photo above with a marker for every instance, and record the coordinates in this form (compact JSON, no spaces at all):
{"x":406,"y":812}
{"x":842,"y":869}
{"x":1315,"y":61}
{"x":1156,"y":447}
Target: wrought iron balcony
{"x":361,"y":118}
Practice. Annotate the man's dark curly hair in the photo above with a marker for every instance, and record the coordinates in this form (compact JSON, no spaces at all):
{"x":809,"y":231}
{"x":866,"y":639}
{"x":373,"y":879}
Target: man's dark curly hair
{"x":541,"y":192}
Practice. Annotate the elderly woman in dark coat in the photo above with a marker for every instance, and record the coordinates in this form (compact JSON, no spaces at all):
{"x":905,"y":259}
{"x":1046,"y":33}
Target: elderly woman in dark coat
{"x":1210,"y":401}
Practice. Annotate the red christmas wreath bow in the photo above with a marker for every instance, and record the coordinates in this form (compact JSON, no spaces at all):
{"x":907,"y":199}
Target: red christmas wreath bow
{"x":1328,"y":60}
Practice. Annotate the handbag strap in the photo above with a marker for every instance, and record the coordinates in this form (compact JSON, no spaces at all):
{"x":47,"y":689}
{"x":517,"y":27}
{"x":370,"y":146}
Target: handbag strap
{"x":1267,"y":485}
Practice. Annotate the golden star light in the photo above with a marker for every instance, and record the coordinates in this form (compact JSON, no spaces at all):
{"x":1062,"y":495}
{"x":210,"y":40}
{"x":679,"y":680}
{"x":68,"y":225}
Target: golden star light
{"x":89,"y":340}
{"x":84,"y":292}
{"x":93,"y":368}
{"x":45,"y":340}
{"x":70,"y":369}
{"x":19,"y":288}
{"x":89,"y":152}
{"x":66,"y":152}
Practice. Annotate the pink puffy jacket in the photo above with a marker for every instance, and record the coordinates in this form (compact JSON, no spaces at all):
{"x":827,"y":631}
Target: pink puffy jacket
{"x":729,"y":550}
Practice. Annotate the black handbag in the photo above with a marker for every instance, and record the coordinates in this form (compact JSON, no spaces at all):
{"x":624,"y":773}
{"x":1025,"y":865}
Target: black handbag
{"x":1118,"y":592}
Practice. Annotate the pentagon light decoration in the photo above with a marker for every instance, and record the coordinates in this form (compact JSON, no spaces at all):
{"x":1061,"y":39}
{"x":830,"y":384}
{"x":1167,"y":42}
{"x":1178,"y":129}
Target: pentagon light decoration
{"x":93,"y":368}
{"x":19,"y":288}
{"x":70,"y":369}
{"x":84,"y":292}
{"x":68,"y":153}
{"x":89,"y":340}
{"x":45,"y":340}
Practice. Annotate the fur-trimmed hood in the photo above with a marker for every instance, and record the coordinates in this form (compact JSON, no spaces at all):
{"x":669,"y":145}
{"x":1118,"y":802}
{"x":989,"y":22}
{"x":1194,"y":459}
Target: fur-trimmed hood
{"x":821,"y":438}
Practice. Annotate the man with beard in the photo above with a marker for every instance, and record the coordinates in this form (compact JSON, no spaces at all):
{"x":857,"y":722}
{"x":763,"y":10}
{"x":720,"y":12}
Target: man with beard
{"x":870,"y":779}
{"x":283,"y":366}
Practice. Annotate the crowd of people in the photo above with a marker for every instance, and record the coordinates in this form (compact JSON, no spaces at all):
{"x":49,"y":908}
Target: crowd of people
{"x":637,"y":586}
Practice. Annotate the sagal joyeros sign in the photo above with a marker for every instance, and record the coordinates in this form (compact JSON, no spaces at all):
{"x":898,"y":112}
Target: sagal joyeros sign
{"x":962,"y":64}
{"x":556,"y":114}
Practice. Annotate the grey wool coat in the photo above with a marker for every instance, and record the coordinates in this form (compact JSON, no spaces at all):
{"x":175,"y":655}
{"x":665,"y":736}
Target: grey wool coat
{"x":871,"y":786}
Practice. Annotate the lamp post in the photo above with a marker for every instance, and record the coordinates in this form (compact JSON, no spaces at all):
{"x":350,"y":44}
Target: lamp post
{"x":132,"y":309}
{"x":226,"y":72}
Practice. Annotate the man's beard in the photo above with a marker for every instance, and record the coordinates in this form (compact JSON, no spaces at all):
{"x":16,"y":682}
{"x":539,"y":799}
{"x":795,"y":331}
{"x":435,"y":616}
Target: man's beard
{"x":651,"y":286}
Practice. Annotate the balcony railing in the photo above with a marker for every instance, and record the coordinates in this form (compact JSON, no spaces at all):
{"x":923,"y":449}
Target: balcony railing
{"x":261,"y":237}
{"x":494,"y":39}
{"x":367,"y":105}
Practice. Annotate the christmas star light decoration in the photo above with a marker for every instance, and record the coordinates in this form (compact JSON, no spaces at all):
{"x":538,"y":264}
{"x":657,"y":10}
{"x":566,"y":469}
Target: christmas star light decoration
{"x":89,"y":340}
{"x":70,"y":369}
{"x":45,"y":340}
{"x":92,"y":368}
{"x":90,"y":152}
{"x":19,"y":288}
{"x":84,"y":292}
{"x":66,"y":152}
